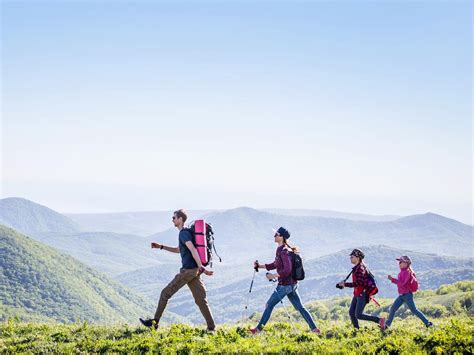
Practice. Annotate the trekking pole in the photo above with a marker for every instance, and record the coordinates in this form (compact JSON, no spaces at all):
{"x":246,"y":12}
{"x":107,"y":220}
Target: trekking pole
{"x":289,"y":316}
{"x":255,"y":270}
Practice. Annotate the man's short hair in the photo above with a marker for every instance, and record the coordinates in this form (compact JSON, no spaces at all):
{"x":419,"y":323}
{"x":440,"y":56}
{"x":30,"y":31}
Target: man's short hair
{"x":181,"y":214}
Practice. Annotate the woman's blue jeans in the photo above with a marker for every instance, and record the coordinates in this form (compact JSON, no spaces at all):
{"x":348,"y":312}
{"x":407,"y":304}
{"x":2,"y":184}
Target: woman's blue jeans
{"x":408,"y":299}
{"x":277,"y":296}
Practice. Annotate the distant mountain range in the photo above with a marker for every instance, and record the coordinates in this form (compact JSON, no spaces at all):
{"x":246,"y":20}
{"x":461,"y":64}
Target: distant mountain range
{"x":332,"y":214}
{"x":150,"y":222}
{"x":246,"y":234}
{"x":111,"y":253}
{"x":242,"y":236}
{"x":137,"y":223}
{"x":28,"y":217}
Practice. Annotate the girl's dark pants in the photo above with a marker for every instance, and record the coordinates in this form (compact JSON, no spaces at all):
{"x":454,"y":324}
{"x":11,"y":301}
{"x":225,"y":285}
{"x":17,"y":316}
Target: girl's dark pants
{"x":356,"y":311}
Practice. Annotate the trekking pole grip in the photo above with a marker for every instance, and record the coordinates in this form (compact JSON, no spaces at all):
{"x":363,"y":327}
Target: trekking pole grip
{"x":256,"y":266}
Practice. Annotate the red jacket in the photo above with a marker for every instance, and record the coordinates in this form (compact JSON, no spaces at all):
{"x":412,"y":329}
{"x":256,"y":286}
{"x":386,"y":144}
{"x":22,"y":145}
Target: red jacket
{"x":359,"y":279}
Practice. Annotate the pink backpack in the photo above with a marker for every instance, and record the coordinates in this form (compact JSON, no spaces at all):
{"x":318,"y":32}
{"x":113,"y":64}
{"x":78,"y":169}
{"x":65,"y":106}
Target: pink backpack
{"x":413,"y":283}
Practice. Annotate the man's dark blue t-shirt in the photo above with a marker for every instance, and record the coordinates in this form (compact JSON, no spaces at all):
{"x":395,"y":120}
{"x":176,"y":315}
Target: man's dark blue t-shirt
{"x":187,"y":259}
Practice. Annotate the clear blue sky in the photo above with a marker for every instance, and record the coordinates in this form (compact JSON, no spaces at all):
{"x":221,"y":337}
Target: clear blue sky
{"x":353,"y":106}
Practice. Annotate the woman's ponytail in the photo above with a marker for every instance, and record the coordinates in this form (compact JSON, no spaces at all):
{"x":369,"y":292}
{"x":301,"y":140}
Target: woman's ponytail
{"x":294,"y":249}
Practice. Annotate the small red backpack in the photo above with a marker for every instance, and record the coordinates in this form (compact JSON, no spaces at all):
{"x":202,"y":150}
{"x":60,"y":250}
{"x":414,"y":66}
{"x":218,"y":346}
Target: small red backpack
{"x":413,"y":283}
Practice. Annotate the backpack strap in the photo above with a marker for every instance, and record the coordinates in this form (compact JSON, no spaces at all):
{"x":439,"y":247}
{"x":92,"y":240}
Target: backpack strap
{"x":214,"y":247}
{"x":348,"y":276}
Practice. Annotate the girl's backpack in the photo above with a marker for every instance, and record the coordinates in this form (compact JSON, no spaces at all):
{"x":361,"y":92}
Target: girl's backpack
{"x":371,"y":287}
{"x":413,"y":283}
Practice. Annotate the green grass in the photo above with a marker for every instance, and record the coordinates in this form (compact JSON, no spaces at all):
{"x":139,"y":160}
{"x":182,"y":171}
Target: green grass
{"x":453,"y":334}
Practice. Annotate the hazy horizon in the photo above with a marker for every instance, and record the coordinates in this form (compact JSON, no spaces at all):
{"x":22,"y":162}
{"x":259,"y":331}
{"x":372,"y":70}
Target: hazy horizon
{"x":342,"y":106}
{"x":265,"y":209}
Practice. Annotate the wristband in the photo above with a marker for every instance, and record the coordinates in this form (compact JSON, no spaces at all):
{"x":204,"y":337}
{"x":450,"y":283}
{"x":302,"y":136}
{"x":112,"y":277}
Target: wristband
{"x":161,"y":246}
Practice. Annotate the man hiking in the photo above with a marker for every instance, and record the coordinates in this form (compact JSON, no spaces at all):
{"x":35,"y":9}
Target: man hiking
{"x":189,"y":274}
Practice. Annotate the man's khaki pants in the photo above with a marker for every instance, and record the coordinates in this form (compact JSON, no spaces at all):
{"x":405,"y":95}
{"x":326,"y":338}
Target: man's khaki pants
{"x":190,"y":277}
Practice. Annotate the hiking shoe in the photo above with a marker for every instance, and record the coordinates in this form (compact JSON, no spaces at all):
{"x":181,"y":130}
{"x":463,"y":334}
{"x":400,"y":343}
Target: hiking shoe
{"x":316,"y":331}
{"x":149,"y":323}
{"x":382,"y":323}
{"x":429,"y":325}
{"x":254,"y":331}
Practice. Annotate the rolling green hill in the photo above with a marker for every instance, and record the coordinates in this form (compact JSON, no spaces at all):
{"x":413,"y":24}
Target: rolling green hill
{"x":30,"y":218}
{"x":451,"y":335}
{"x":452,"y":332}
{"x":38,"y":283}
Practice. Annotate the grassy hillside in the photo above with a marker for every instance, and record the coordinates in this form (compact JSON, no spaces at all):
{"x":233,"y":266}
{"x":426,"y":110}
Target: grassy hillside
{"x":38,"y":283}
{"x":449,"y":335}
{"x":452,"y":332}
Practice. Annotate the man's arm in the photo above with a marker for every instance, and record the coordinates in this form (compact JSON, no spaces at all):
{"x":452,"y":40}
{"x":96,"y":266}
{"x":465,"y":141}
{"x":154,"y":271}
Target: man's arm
{"x":164,"y":247}
{"x":196,"y":257}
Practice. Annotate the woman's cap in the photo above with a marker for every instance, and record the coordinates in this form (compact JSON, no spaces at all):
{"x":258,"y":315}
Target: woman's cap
{"x":405,"y":259}
{"x":285,"y":233}
{"x":357,"y":253}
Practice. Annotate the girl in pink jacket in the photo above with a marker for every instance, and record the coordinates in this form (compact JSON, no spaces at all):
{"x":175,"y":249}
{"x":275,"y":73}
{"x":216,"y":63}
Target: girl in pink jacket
{"x":407,"y":284}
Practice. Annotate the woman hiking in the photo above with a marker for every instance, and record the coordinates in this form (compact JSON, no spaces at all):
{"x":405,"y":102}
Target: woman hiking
{"x":407,"y":284}
{"x":287,"y":286}
{"x":359,"y":283}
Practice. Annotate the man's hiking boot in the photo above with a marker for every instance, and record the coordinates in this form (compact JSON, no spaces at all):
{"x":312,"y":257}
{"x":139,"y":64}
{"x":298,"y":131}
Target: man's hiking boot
{"x":254,"y":331}
{"x":149,"y":323}
{"x":429,"y":325}
{"x":382,"y":323}
{"x":316,"y":331}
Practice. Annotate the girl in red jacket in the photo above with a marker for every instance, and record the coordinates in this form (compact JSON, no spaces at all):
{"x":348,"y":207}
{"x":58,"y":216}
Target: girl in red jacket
{"x":360,"y":299}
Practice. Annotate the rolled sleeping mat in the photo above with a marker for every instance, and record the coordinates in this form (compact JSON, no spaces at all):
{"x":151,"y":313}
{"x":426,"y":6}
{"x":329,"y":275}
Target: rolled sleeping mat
{"x":201,"y":241}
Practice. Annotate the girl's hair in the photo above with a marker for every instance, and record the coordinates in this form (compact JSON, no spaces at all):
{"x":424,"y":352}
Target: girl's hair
{"x":294,"y":249}
{"x":411,"y":271}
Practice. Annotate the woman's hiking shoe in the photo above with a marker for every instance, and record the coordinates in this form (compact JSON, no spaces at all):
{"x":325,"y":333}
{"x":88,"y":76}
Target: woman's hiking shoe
{"x":149,"y":323}
{"x":382,"y":323}
{"x":316,"y":331}
{"x":254,"y":331}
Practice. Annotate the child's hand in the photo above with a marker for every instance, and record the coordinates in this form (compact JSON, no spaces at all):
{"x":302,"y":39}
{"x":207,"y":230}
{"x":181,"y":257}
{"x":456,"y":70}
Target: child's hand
{"x":390,"y":277}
